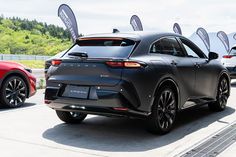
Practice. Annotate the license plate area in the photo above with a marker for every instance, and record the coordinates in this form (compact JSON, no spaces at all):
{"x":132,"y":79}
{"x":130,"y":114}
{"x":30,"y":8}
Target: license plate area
{"x":80,"y":92}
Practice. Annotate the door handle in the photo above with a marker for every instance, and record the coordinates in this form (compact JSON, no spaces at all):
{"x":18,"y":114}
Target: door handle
{"x":173,"y":63}
{"x":197,"y":65}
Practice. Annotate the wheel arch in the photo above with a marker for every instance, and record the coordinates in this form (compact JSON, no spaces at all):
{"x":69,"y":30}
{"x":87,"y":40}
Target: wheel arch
{"x":226,"y":75}
{"x":19,"y":74}
{"x":169,"y":81}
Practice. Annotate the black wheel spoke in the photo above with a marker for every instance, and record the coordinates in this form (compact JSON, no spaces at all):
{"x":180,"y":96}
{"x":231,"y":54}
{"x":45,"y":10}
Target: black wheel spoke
{"x":75,"y":114}
{"x":169,"y":118}
{"x":169,"y":98}
{"x":171,"y":104}
{"x":160,"y":115}
{"x":19,"y":99}
{"x":162,"y":123}
{"x":166,"y":109}
{"x":161,"y":103}
{"x":15,"y":92}
{"x":166,"y":124}
{"x":165,"y":97}
{"x":223,"y":93}
{"x":8,"y":96}
{"x":15,"y":83}
{"x":22,"y":89}
{"x":19,"y":85}
{"x":21,"y":94}
{"x":8,"y":89}
{"x":11,"y":86}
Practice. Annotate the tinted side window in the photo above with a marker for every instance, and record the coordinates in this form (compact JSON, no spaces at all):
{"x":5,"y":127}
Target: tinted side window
{"x":168,"y":46}
{"x":191,"y":49}
{"x":156,"y":47}
{"x":171,"y":47}
{"x":190,"y":52}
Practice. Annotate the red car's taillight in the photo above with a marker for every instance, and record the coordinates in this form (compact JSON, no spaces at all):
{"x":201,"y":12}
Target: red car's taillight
{"x":56,"y":62}
{"x":124,"y":64}
{"x":227,"y":56}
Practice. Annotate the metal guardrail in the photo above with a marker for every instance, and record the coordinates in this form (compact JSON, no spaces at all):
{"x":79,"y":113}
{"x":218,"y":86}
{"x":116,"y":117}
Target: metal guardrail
{"x":22,"y":57}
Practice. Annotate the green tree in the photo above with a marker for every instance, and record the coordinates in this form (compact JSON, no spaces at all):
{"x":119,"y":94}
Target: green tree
{"x":21,"y":36}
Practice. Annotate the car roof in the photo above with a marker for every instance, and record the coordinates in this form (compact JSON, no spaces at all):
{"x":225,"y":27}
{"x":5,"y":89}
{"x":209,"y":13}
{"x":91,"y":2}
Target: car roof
{"x":146,"y":38}
{"x":135,"y":35}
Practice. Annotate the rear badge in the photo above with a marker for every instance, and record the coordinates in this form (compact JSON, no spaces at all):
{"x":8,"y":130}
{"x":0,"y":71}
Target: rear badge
{"x":78,"y":92}
{"x":104,"y":75}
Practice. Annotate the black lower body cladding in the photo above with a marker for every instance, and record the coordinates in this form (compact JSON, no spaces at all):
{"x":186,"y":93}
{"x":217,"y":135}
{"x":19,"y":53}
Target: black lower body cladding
{"x":119,"y":100}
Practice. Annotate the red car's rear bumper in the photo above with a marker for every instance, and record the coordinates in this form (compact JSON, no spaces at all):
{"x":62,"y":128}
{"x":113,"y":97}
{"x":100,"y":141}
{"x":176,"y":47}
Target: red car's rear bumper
{"x":32,"y":85}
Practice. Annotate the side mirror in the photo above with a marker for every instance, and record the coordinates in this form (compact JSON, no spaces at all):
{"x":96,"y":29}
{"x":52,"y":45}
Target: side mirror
{"x":212,"y":55}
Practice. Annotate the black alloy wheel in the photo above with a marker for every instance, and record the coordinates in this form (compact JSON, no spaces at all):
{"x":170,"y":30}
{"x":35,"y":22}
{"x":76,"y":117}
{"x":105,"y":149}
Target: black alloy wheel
{"x":13,"y":92}
{"x":164,"y":112}
{"x":222,"y":96}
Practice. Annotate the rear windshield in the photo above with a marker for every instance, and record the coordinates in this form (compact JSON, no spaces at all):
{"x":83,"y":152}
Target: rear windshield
{"x":233,"y":51}
{"x":103,"y":47}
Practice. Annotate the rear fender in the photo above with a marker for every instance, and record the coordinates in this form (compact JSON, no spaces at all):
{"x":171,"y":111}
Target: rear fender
{"x":164,"y":81}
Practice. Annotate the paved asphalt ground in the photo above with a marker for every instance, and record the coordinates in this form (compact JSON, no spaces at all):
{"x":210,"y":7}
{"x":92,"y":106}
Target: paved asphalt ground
{"x":35,"y":131}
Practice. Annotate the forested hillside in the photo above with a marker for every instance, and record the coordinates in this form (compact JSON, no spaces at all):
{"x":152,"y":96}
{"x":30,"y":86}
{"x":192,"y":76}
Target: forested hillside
{"x":21,"y":36}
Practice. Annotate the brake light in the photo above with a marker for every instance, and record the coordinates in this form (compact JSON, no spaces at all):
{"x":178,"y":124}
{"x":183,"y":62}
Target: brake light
{"x":56,"y":62}
{"x":124,"y":64}
{"x":227,"y":56}
{"x":115,"y":64}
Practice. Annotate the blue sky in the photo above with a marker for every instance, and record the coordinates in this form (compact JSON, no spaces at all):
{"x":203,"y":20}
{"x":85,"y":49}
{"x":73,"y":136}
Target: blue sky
{"x":95,"y":16}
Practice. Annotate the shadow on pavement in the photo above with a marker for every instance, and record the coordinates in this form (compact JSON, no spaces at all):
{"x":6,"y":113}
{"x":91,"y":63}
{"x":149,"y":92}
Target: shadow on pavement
{"x":3,"y":108}
{"x":129,"y":135}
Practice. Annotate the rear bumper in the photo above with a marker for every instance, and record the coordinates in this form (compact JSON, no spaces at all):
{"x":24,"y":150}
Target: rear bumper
{"x":95,"y":110}
{"x":32,"y":85}
{"x":109,"y":103}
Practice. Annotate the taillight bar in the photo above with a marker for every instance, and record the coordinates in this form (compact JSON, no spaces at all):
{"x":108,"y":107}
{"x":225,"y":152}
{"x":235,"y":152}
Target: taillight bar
{"x":124,"y":64}
{"x":227,"y":56}
{"x":132,"y":65}
{"x":115,"y":64}
{"x":56,"y":62}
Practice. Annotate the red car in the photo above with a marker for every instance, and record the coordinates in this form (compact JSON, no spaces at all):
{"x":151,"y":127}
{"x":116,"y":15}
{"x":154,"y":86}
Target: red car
{"x":16,"y":84}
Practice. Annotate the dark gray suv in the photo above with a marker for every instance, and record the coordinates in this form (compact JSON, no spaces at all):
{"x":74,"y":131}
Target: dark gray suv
{"x":141,"y":74}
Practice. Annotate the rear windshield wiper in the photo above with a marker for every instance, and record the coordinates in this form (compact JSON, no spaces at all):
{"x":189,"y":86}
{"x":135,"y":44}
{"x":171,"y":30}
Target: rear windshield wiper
{"x":79,"y":54}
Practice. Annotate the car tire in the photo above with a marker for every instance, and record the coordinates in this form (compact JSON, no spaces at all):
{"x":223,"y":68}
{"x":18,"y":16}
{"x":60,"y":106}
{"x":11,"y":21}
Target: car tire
{"x":163,"y":113}
{"x":71,"y":117}
{"x":222,"y":96}
{"x":13,"y":92}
